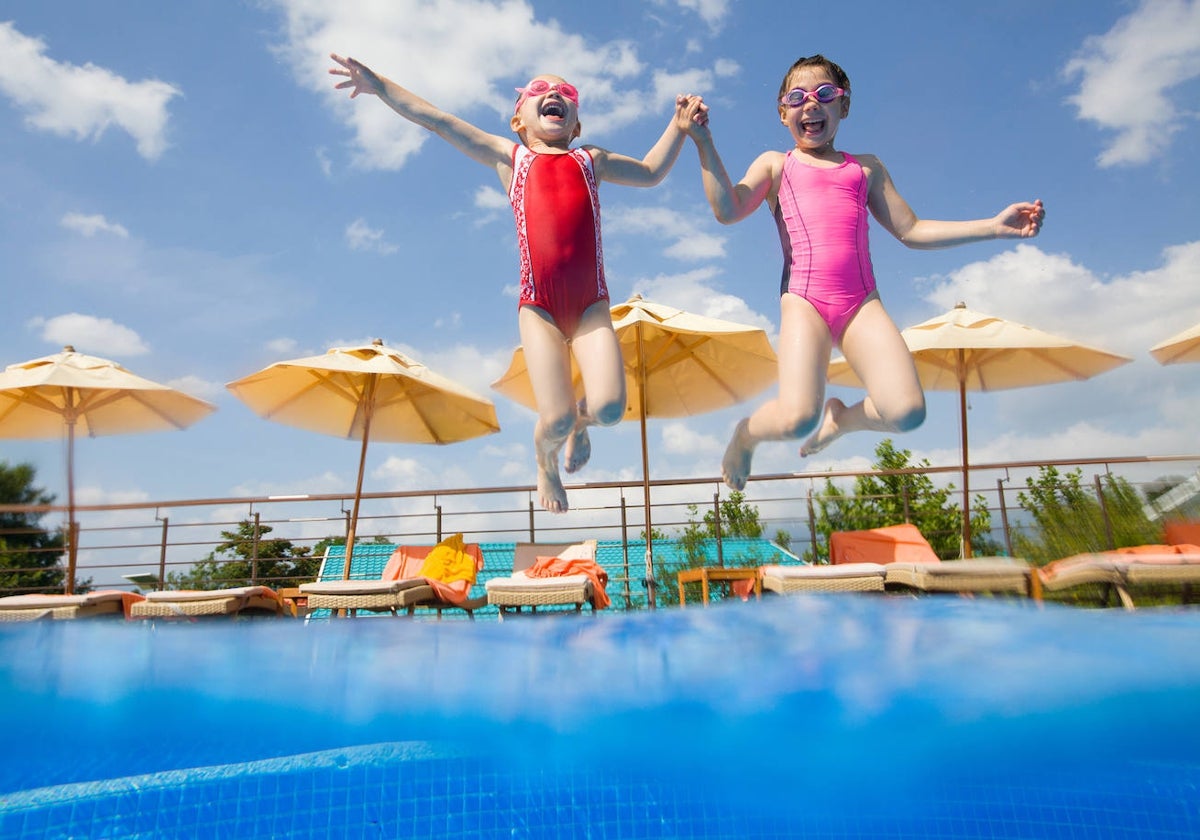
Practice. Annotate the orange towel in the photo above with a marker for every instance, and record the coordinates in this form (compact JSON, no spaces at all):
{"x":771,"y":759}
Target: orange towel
{"x":743,"y":589}
{"x":558,"y":566}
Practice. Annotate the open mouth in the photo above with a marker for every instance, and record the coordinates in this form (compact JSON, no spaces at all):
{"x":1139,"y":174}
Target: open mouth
{"x":553,"y":108}
{"x":812,"y":126}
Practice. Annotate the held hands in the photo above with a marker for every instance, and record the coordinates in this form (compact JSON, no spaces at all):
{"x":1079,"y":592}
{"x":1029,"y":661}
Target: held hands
{"x":1021,"y":221}
{"x":362,"y":78}
{"x":690,"y":111}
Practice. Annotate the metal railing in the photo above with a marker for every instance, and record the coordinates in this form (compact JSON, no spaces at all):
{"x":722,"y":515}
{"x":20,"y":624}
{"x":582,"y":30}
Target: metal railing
{"x":148,"y":541}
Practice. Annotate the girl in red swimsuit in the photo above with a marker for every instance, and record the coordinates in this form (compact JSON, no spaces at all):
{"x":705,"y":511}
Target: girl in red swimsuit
{"x":564,"y":300}
{"x":820,"y":196}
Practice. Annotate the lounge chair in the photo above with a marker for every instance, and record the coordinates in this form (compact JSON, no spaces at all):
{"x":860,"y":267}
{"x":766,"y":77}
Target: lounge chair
{"x":405,"y":584}
{"x":1123,"y":571}
{"x":525,"y":588}
{"x":110,"y":603}
{"x":897,"y":557}
{"x":844,"y":577}
{"x":191,"y":604}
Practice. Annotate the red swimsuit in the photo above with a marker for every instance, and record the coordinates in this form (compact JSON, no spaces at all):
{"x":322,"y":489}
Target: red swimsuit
{"x":557,"y":210}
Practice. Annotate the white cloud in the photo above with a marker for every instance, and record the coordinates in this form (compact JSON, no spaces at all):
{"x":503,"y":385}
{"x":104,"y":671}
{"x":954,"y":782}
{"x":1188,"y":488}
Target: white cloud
{"x":81,"y":101}
{"x":87,"y":333}
{"x":198,"y":387}
{"x":688,"y":240}
{"x":712,"y":12}
{"x":282,"y":346}
{"x":91,"y":225}
{"x":490,"y":198}
{"x":680,"y":438}
{"x":1127,"y":74}
{"x":465,"y":56}
{"x":695,"y":292}
{"x":1127,"y":314}
{"x":362,"y":237}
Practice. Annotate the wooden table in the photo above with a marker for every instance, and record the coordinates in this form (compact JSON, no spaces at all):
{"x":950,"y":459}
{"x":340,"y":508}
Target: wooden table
{"x":705,"y":574}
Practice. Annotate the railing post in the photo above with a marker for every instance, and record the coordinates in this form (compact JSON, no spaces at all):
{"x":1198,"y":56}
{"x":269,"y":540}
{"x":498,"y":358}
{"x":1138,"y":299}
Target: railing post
{"x":1004,"y":516}
{"x":717,"y":528}
{"x":438,"y":508}
{"x":1108,"y":529}
{"x":162,"y":557}
{"x":625,"y":552}
{"x":812,"y":526}
{"x":532,"y":538}
{"x":254,"y":551}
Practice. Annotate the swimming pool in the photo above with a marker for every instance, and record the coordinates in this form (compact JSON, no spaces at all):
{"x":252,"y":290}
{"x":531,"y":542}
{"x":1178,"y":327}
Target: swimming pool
{"x":807,"y":716}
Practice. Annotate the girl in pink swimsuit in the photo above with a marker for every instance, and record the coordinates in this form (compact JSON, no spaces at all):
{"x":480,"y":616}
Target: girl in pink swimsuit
{"x":563,"y":308}
{"x":820,"y":197}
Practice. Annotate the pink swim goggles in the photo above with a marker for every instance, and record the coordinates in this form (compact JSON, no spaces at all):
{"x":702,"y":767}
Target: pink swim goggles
{"x":540,"y":86}
{"x":825,"y":93}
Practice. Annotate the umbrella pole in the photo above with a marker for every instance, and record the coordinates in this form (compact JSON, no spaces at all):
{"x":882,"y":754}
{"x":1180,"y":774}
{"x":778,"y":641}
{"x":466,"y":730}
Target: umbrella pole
{"x":368,"y":406}
{"x":962,"y":418}
{"x":650,"y":584}
{"x":72,"y":531}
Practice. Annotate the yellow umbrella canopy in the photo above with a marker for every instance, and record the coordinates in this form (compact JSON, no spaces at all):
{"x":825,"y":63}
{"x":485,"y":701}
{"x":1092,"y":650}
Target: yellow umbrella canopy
{"x":677,"y":364}
{"x":963,"y":350}
{"x":71,"y":393}
{"x":367,"y":393}
{"x":1179,"y":349}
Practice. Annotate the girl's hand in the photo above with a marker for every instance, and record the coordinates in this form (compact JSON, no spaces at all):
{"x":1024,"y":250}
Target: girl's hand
{"x":690,"y":111}
{"x":1022,"y":220}
{"x":361,"y":78}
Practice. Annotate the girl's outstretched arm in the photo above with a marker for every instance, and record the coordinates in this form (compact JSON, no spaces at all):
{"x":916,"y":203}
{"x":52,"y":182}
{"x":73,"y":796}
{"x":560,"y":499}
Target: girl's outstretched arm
{"x":732,"y":202}
{"x":1021,"y":220}
{"x":489,"y":149}
{"x":650,"y":170}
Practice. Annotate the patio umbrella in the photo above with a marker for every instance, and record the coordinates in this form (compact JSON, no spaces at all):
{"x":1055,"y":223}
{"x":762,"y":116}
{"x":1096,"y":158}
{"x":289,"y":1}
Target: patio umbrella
{"x":1184,"y":347}
{"x":677,"y":364}
{"x":366,"y":393}
{"x":963,"y":350}
{"x":71,"y":393}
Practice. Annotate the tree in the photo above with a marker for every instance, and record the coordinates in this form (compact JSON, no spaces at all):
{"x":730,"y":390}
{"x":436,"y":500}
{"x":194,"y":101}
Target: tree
{"x":1069,"y":518}
{"x":246,"y":558}
{"x":896,"y":497}
{"x":30,"y":555}
{"x":738,"y":518}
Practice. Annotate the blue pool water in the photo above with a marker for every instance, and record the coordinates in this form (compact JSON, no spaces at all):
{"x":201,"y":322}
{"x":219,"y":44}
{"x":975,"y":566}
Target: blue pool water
{"x":826,"y":717}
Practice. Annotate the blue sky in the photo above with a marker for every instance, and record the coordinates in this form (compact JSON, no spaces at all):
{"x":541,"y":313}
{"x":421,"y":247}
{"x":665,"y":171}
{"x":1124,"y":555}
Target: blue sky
{"x":182,"y":190}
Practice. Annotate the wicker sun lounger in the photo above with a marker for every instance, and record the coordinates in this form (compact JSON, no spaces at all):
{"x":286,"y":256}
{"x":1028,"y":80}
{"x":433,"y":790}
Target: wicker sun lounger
{"x":33,"y":607}
{"x":399,"y":587}
{"x":519,"y":590}
{"x":844,"y":577}
{"x":189,"y":604}
{"x":979,"y":574}
{"x":1123,"y":571}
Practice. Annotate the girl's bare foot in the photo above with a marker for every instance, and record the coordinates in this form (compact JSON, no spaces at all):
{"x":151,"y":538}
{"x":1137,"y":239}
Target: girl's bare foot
{"x":828,"y":431}
{"x":578,"y":449}
{"x":551,"y":494}
{"x":735,"y":466}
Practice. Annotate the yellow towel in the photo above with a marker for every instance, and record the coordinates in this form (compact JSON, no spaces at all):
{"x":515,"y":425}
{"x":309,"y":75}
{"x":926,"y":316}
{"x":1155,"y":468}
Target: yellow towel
{"x":448,"y":562}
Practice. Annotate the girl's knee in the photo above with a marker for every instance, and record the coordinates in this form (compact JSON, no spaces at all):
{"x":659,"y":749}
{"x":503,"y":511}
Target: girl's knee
{"x":798,"y":423}
{"x":559,"y":426}
{"x":908,"y":417}
{"x":609,"y":413}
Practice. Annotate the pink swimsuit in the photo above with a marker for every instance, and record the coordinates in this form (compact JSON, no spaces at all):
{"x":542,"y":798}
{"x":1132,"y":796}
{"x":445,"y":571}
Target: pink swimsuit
{"x":822,"y":219}
{"x":557,"y":209}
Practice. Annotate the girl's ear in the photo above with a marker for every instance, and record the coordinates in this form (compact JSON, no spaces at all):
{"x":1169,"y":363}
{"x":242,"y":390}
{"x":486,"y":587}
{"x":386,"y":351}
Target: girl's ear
{"x":516,"y":124}
{"x":845,"y":106}
{"x":578,"y":130}
{"x":782,"y":115}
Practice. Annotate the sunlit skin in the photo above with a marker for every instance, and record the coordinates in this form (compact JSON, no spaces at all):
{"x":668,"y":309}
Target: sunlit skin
{"x":871,"y":342}
{"x":548,"y":123}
